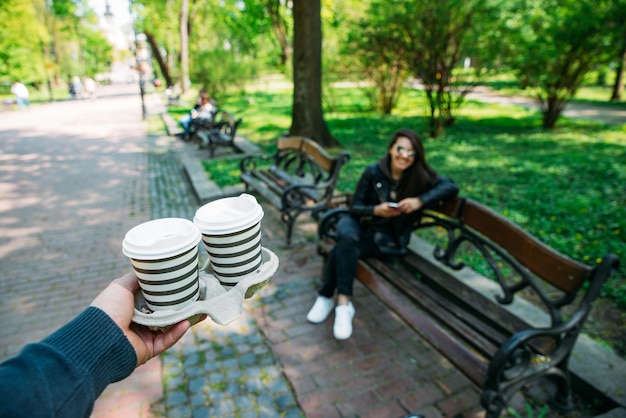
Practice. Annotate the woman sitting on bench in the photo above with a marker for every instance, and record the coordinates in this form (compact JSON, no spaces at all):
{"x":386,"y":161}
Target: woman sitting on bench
{"x":388,"y":199}
{"x":205,"y":109}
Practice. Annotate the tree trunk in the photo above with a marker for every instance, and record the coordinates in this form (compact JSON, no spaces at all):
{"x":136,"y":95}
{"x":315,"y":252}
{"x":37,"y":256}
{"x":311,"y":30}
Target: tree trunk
{"x":307,"y":115}
{"x":618,"y":87}
{"x":552,"y":111}
{"x":156,"y":53}
{"x":184,"y":45}
{"x":278,"y":26}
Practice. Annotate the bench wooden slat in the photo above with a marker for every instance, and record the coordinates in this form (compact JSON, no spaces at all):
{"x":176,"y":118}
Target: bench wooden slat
{"x":289,"y":143}
{"x":557,"y":269}
{"x":285,"y":179}
{"x":262,"y":189}
{"x":462,"y":357}
{"x":310,"y":148}
{"x":454,"y":317}
{"x":319,"y":154}
{"x":486,"y":316}
{"x":453,"y":286}
{"x":272,"y":182}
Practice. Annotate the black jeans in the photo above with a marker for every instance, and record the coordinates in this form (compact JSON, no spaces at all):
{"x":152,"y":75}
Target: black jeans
{"x":352,"y":243}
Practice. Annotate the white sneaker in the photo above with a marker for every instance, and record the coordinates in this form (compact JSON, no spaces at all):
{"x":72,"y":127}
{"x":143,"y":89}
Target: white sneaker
{"x":322,"y":307}
{"x":342,"y":329}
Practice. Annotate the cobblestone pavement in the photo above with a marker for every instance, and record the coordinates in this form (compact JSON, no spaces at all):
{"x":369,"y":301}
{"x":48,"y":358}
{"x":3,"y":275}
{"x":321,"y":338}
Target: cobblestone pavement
{"x":71,"y":184}
{"x":73,"y":180}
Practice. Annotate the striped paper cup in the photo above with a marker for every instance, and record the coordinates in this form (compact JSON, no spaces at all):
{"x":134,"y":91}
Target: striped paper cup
{"x":231,"y":232}
{"x":164,"y":255}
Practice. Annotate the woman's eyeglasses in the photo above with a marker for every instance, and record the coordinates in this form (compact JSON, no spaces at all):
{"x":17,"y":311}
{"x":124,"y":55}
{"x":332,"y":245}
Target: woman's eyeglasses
{"x":409,"y":153}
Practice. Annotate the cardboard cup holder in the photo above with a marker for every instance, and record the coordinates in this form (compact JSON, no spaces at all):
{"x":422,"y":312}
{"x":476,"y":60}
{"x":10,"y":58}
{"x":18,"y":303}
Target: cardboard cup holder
{"x":223,"y":304}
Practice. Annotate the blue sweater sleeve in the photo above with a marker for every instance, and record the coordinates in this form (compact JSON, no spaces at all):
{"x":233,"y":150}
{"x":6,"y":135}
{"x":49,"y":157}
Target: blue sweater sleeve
{"x":63,"y":375}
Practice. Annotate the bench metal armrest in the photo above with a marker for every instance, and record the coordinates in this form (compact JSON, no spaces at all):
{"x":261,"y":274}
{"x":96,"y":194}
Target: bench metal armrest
{"x":249,"y":163}
{"x":518,"y":360}
{"x":327,"y":226}
{"x":294,"y":198}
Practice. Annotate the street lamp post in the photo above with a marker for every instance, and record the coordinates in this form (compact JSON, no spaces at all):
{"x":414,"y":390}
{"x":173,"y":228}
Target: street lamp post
{"x":140,"y":61}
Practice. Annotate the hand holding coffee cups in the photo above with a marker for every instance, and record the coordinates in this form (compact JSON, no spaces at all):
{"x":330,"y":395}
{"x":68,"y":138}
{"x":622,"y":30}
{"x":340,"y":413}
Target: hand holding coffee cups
{"x":117,"y":301}
{"x":164,"y":256}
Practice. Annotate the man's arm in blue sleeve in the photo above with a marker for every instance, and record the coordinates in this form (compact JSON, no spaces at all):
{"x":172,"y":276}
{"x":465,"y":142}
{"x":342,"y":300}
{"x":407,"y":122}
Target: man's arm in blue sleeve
{"x":63,"y":375}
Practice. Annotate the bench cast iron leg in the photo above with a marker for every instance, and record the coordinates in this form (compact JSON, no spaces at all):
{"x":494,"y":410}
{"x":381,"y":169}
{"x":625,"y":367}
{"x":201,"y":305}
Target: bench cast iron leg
{"x":493,"y":403}
{"x":289,"y":220}
{"x":562,"y":400}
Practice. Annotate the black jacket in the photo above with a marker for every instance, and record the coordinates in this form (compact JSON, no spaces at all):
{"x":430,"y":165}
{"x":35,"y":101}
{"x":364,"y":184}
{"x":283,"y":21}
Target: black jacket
{"x":375,"y":187}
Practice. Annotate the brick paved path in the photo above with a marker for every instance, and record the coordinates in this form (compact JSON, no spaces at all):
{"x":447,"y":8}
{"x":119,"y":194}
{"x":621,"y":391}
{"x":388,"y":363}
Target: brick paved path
{"x":72,"y":182}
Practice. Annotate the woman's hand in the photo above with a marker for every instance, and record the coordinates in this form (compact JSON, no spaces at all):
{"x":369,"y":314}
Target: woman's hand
{"x":117,"y":301}
{"x":387,"y":210}
{"x":410,"y":204}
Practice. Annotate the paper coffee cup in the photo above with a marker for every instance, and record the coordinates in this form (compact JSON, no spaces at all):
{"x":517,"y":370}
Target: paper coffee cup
{"x":231,"y":232}
{"x":164,"y":255}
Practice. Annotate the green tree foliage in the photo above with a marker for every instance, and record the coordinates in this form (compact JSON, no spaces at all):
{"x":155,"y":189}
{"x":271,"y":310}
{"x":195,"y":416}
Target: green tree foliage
{"x":431,"y":40}
{"x":553,"y":44}
{"x":159,"y":20}
{"x":232,"y":71}
{"x":223,"y":47}
{"x":436,"y":38}
{"x":21,"y":39}
{"x":379,"y":56}
{"x":263,"y":16}
{"x":228,"y":39}
{"x":50,"y":40}
{"x":97,"y":52}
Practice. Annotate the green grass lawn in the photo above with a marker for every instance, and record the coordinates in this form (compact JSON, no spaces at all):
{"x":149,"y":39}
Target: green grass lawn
{"x":567,"y":186}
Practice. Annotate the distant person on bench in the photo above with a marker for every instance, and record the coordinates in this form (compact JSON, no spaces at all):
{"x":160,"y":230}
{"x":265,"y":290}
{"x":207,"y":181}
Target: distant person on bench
{"x":205,"y":108}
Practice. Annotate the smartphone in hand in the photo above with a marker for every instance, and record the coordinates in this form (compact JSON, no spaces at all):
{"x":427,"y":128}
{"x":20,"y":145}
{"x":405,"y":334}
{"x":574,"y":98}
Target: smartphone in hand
{"x":393,"y":205}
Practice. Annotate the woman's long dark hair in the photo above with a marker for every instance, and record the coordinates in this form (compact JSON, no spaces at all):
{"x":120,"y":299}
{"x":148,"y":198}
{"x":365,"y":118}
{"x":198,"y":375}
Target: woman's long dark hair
{"x":419,"y":177}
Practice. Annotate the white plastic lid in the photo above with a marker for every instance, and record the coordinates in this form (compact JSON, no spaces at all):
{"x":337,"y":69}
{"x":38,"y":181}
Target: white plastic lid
{"x":160,"y":238}
{"x":229,"y":214}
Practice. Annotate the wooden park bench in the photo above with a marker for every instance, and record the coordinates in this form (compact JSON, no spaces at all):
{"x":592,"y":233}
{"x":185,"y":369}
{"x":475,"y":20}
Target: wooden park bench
{"x":172,"y":95}
{"x":299,"y":177}
{"x":496,"y":349}
{"x":219,"y":132}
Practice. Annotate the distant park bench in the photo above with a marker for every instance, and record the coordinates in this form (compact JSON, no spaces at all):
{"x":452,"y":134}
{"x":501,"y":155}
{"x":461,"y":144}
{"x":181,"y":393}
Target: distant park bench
{"x":173,"y":99}
{"x":218,"y":132}
{"x":300,"y":177}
